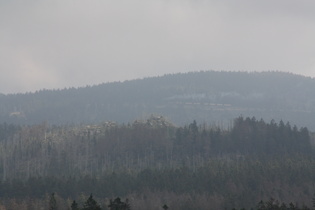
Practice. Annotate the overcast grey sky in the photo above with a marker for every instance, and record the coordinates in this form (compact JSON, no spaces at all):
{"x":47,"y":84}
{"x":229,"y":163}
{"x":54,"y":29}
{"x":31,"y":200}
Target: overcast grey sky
{"x":70,"y":43}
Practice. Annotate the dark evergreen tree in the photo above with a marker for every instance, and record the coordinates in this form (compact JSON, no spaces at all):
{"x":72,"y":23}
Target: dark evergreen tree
{"x":52,"y":202}
{"x":165,"y":207}
{"x":91,"y":204}
{"x":313,"y":200}
{"x":117,"y":204}
{"x":74,"y":205}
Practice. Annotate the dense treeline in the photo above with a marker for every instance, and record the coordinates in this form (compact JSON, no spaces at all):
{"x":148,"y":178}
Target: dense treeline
{"x":230,"y":184}
{"x":55,"y":202}
{"x":43,"y":150}
{"x":153,"y":162}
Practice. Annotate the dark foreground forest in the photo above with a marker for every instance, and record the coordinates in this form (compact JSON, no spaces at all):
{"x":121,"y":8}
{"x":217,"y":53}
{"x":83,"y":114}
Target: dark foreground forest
{"x":155,"y":164}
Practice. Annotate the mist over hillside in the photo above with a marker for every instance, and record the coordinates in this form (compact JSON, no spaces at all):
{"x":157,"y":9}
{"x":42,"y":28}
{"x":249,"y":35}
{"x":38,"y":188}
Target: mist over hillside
{"x":206,"y":96}
{"x":214,"y":147}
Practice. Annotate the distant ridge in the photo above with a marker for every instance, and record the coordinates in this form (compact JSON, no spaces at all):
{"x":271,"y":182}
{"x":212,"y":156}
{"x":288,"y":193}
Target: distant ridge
{"x":205,"y":96}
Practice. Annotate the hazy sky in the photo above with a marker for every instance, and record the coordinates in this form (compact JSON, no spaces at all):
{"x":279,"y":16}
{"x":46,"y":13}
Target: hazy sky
{"x":69,"y":43}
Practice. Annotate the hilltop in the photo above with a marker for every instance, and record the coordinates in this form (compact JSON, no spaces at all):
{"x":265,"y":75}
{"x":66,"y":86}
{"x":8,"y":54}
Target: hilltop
{"x":206,"y":96}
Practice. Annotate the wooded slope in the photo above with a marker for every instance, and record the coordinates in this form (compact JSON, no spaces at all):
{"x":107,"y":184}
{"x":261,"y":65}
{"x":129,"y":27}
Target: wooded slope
{"x":212,"y":97}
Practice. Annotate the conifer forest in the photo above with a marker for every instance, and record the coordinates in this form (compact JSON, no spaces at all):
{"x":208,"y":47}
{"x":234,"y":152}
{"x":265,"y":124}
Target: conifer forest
{"x":177,"y":142}
{"x":153,"y":164}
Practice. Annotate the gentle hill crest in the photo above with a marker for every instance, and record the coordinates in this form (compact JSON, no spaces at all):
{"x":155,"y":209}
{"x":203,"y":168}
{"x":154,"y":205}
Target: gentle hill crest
{"x":206,"y":96}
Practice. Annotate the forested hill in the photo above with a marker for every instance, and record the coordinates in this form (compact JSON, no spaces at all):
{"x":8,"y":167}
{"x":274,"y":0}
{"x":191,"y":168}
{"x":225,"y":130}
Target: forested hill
{"x":212,"y":97}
